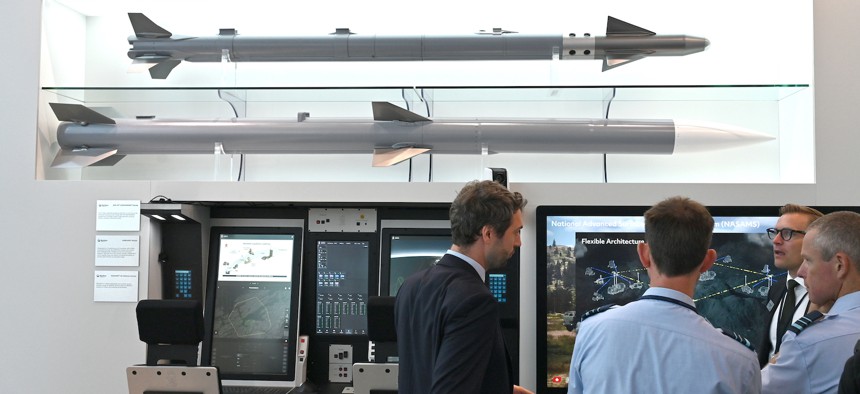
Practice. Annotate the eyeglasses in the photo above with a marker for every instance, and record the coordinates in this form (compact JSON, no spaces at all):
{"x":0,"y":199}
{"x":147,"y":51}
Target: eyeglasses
{"x":785,"y":233}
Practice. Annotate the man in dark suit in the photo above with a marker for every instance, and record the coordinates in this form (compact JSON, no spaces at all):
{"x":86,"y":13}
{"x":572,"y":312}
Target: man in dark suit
{"x":785,"y":307}
{"x":448,"y":333}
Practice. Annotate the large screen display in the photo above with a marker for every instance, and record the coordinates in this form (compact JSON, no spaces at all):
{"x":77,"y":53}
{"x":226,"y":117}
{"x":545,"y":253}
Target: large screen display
{"x":252,"y":303}
{"x":588,"y":259}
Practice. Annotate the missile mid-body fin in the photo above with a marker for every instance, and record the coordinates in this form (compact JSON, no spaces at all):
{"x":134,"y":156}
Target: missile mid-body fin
{"x":388,"y":156}
{"x":383,"y":110}
{"x":383,"y":157}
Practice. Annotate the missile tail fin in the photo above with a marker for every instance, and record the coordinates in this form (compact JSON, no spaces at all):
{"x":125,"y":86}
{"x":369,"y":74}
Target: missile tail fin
{"x":618,"y":27}
{"x":145,"y":27}
{"x":85,"y":157}
{"x":385,"y":157}
{"x":385,"y":111}
{"x":162,"y":69}
{"x":79,"y":114}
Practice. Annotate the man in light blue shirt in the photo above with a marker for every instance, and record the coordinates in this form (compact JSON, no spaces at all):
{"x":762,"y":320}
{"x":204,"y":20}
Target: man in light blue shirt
{"x":660,"y":344}
{"x":815,"y":348}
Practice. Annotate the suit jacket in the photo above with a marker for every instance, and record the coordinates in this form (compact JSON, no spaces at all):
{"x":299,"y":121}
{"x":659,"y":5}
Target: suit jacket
{"x":849,"y":383}
{"x":774,"y":297}
{"x":448,"y":335}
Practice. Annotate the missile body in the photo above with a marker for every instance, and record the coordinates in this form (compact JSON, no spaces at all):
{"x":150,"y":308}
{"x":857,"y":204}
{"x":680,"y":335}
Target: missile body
{"x":623,"y":43}
{"x":395,"y":134}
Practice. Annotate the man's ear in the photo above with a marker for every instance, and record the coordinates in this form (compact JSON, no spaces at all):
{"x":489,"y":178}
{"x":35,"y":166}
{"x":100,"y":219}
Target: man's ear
{"x":644,"y":254}
{"x":487,"y":232}
{"x":843,"y":265}
{"x":708,"y":262}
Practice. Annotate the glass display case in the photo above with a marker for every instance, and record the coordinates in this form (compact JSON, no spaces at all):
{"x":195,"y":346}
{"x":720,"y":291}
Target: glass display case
{"x":731,"y":84}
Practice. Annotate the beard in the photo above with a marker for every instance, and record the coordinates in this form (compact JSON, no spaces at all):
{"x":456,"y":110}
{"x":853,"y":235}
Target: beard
{"x":498,"y":258}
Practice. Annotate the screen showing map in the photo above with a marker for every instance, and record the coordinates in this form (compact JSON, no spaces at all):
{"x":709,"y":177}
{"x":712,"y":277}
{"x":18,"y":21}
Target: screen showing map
{"x":591,"y":260}
{"x":252,"y":312}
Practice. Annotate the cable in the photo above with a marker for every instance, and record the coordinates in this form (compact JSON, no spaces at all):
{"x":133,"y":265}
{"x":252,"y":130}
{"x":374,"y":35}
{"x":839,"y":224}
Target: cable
{"x":426,"y":104}
{"x":430,"y":170}
{"x":241,"y":155}
{"x":606,"y":117}
{"x":403,"y":95}
{"x":241,"y":167}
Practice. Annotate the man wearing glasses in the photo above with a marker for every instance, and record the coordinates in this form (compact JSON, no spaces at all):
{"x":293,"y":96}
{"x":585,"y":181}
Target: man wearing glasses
{"x":787,"y":300}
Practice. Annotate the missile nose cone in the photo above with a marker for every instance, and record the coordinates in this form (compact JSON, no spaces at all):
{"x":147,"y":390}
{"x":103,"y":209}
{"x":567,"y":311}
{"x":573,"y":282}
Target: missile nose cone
{"x":695,"y":44}
{"x":700,"y":137}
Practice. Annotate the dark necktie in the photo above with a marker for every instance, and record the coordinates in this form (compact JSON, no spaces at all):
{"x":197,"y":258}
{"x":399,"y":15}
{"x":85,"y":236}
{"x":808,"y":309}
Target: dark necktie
{"x":785,"y":317}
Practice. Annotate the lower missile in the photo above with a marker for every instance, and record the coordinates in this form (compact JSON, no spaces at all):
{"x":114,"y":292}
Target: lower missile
{"x":87,"y":137}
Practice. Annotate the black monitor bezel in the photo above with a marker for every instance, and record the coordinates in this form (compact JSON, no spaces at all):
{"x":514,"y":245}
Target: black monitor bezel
{"x":295,"y":297}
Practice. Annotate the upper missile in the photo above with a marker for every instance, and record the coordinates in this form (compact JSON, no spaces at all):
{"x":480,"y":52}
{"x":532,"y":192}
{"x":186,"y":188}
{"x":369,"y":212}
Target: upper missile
{"x":623,"y":43}
{"x":393,"y":135}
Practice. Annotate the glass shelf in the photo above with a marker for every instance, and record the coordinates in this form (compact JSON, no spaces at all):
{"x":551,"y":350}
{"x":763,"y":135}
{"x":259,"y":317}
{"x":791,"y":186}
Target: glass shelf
{"x":439,"y":94}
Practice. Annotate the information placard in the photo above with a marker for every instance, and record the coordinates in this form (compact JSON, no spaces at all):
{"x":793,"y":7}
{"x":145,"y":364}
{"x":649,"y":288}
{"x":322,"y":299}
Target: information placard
{"x":117,"y":215}
{"x":117,"y":251}
{"x":115,"y":286}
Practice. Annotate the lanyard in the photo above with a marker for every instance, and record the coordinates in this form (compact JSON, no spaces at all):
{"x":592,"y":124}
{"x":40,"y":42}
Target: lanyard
{"x":667,"y":299}
{"x":796,"y":307}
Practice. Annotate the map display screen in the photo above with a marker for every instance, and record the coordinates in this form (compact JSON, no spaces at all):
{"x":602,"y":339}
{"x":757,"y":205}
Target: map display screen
{"x":588,"y":258}
{"x":254,"y":307}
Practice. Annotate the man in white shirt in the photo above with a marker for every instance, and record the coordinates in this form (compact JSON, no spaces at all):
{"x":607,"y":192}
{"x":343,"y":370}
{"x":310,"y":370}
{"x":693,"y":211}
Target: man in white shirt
{"x":787,"y":300}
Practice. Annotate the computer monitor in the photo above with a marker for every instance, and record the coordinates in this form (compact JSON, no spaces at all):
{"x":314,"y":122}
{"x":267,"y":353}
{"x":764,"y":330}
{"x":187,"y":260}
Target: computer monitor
{"x":342,"y":283}
{"x":406,"y":251}
{"x":588,"y":258}
{"x":252,"y":304}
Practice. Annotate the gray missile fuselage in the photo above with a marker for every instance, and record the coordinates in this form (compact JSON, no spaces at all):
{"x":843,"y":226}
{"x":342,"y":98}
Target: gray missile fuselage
{"x":394,"y":134}
{"x":348,"y":47}
{"x":350,"y":136}
{"x":622,"y":44}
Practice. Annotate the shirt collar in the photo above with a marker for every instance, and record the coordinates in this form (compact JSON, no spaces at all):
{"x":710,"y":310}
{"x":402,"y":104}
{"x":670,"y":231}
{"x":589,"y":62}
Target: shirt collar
{"x":845,"y":303}
{"x":797,"y":279}
{"x":481,"y":271}
{"x":673,"y":294}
